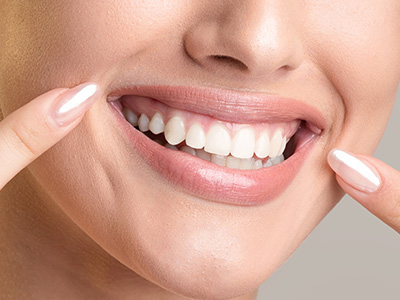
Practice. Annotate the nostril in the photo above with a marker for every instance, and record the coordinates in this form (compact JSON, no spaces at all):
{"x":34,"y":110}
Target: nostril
{"x":229,"y":61}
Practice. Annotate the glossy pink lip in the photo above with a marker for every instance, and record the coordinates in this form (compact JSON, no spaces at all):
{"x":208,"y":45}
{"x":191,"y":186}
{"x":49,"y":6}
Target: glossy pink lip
{"x":207,"y":180}
{"x":227,"y":105}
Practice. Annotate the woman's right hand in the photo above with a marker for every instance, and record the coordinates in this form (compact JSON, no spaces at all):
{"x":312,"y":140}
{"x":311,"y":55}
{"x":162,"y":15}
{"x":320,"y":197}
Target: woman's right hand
{"x":32,"y":129}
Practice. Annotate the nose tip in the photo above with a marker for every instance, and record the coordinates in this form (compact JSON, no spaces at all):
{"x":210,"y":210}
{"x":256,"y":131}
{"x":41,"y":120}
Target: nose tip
{"x":248,"y":38}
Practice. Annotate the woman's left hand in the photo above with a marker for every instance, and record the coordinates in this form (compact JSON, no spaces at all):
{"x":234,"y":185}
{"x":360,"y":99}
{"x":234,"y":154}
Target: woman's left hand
{"x":374,"y":184}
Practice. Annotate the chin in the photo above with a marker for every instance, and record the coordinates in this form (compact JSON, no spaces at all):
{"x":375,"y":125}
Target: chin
{"x":212,"y":272}
{"x":204,"y":199}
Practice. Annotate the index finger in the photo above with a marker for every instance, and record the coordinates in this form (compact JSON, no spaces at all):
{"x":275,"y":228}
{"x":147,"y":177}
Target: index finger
{"x":32,"y":129}
{"x":371,"y":182}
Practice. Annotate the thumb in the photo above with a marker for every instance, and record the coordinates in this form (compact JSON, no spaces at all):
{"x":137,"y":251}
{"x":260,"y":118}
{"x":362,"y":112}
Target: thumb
{"x":374,"y":184}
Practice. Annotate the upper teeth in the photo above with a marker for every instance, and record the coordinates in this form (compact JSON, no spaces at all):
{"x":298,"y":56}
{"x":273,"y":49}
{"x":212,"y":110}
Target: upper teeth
{"x":243,"y":143}
{"x":156,"y":124}
{"x":196,"y":137}
{"x":143,"y":123}
{"x":175,"y":132}
{"x":217,"y":139}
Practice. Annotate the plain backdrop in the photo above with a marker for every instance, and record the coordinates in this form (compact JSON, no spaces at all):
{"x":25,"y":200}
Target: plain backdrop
{"x":351,"y":254}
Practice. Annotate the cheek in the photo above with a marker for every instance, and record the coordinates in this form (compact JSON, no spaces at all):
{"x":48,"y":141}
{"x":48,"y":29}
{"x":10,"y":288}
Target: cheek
{"x":169,"y":237}
{"x":101,"y":32}
{"x":52,"y":44}
{"x":358,"y":45}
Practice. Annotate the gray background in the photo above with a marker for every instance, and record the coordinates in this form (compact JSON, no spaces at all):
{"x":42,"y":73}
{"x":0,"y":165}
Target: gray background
{"x":351,"y":254}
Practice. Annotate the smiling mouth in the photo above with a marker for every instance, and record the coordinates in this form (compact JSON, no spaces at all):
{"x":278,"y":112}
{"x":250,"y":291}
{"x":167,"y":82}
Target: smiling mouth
{"x":232,"y":145}
{"x":217,"y":149}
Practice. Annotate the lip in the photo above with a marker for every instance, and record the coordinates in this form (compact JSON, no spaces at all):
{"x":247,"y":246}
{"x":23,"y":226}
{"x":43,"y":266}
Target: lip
{"x":207,"y":180}
{"x":228,"y":105}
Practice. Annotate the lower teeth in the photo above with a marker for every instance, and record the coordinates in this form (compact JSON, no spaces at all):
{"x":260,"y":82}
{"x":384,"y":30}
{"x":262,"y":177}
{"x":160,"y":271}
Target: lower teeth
{"x":230,"y":161}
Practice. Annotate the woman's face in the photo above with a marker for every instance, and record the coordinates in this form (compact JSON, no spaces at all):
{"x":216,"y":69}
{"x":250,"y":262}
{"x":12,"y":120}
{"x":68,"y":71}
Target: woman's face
{"x":185,"y":224}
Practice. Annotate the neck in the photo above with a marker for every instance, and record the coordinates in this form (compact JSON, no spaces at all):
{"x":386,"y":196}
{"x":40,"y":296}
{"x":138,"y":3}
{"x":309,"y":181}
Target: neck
{"x":44,"y":255}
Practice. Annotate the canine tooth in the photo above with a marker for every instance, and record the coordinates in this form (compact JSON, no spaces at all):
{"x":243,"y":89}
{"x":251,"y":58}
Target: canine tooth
{"x":276,"y":143}
{"x":143,"y":123}
{"x":283,"y":146}
{"x":188,"y":149}
{"x":200,"y":153}
{"x":169,"y":146}
{"x":268,"y":163}
{"x":218,"y":159}
{"x":247,"y":164}
{"x":218,"y":140}
{"x":130,"y":116}
{"x":243,"y":143}
{"x":156,"y":125}
{"x":175,"y":132}
{"x":233,"y":162}
{"x":262,"y":145}
{"x":195,"y":136}
{"x":258,"y":164}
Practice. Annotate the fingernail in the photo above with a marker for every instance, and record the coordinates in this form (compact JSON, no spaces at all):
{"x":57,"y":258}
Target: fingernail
{"x":353,"y":171}
{"x":74,"y":103}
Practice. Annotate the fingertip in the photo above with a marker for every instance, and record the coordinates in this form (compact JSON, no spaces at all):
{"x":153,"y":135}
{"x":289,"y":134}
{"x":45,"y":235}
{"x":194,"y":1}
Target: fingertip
{"x":73,"y":103}
{"x":356,"y":172}
{"x":331,"y":158}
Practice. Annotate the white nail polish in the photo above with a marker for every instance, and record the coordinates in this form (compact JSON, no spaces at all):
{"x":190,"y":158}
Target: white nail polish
{"x":354,"y":171}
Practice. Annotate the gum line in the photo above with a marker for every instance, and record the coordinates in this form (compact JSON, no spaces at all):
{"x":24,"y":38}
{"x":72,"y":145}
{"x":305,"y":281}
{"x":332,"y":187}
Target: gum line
{"x":147,"y":106}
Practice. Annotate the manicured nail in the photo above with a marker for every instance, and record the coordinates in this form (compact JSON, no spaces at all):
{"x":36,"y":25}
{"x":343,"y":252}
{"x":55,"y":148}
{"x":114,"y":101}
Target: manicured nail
{"x":74,"y":103}
{"x":353,"y":171}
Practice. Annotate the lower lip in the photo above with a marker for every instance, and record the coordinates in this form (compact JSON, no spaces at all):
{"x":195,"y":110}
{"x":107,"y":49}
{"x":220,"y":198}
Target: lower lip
{"x":209,"y":181}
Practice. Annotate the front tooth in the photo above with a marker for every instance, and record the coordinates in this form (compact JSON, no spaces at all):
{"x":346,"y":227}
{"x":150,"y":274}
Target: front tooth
{"x":130,"y":116}
{"x":276,"y":143}
{"x":243,"y":143}
{"x":175,"y":131}
{"x":218,"y":159}
{"x":247,"y":164}
{"x":218,"y":140}
{"x":203,"y":155}
{"x":233,"y":162}
{"x":195,"y":136}
{"x":262,"y":145}
{"x":156,"y":125}
{"x":188,"y":149}
{"x":143,"y":123}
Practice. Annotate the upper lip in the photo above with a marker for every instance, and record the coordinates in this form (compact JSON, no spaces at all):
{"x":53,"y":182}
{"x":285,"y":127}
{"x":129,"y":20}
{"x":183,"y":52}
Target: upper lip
{"x":227,"y":105}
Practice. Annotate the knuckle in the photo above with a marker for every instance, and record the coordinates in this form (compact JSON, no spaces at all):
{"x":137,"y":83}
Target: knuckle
{"x":25,"y":139}
{"x":393,"y":213}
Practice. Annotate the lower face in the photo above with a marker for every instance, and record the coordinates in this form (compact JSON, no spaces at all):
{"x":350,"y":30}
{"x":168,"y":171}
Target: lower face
{"x":177,"y":170}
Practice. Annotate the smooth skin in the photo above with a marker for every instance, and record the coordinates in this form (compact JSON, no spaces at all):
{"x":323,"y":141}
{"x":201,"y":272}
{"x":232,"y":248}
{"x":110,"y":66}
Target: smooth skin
{"x":25,"y":134}
{"x":89,"y":219}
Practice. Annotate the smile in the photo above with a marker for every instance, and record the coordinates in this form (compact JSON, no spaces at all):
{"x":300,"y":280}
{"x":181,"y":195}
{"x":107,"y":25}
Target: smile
{"x":231,"y":147}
